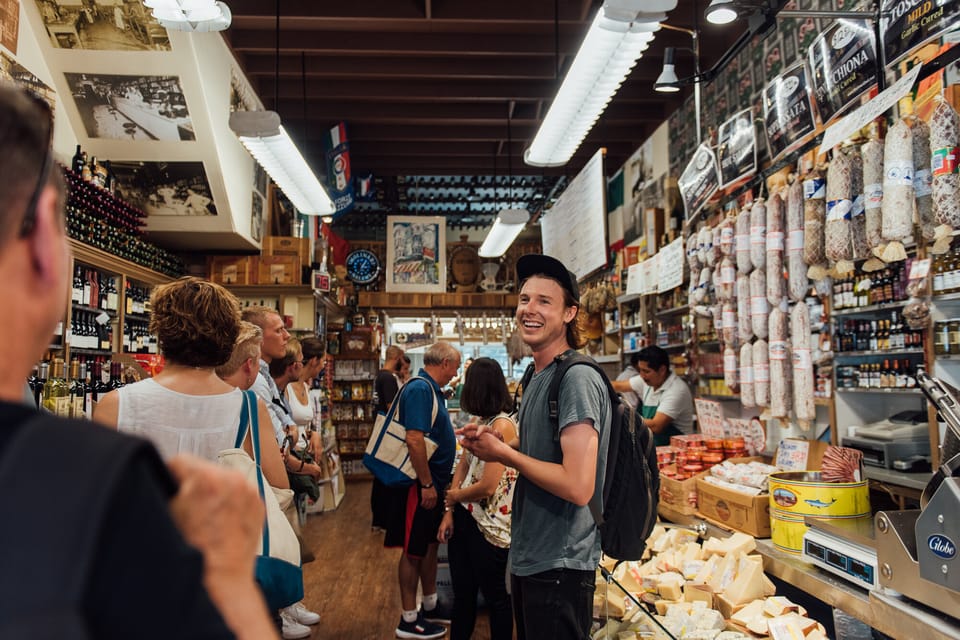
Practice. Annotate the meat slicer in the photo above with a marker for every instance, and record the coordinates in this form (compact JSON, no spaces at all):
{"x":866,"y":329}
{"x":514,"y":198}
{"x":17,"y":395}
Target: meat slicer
{"x":917,"y":550}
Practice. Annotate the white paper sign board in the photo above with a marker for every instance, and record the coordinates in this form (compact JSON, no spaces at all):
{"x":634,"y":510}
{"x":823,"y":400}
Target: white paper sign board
{"x":635,"y":279}
{"x":670,"y":266}
{"x":648,"y":276}
{"x":574,"y":229}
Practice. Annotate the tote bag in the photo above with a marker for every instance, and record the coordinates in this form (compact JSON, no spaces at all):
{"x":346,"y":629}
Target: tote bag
{"x":278,"y":569}
{"x":387,"y":456}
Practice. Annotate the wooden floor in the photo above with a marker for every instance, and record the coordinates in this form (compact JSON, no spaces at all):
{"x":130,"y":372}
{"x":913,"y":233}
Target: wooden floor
{"x":353,"y":582}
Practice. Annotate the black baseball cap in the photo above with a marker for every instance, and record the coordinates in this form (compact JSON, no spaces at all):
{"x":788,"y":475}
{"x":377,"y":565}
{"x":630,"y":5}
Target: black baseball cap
{"x":534,"y":264}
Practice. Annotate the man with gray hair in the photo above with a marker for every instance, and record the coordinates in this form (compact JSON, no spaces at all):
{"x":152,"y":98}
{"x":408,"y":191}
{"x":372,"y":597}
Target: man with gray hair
{"x":417,"y":534}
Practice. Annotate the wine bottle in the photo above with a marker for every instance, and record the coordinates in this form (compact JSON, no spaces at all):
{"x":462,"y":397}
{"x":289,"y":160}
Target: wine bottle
{"x":79,"y":159}
{"x":76,"y":390}
{"x":56,"y":393}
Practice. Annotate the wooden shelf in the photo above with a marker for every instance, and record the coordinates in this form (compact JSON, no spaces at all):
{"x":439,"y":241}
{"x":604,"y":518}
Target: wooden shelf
{"x":253,"y":290}
{"x":822,"y":402}
{"x":607,"y":358}
{"x":869,"y":309}
{"x":910,"y":392}
{"x":673,"y":345}
{"x":633,"y":327}
{"x":110,"y":263}
{"x":891,"y":352}
{"x":672,"y":312}
{"x":628,"y":297}
{"x":946,"y":297}
{"x":88,"y":309}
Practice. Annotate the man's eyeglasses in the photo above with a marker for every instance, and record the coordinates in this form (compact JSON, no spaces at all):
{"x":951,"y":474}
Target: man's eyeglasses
{"x":30,"y":215}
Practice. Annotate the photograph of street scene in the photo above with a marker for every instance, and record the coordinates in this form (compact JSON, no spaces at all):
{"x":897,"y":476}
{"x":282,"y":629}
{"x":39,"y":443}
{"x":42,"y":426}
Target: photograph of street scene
{"x":111,"y":25}
{"x":10,"y":69}
{"x":165,"y":188}
{"x":131,"y":107}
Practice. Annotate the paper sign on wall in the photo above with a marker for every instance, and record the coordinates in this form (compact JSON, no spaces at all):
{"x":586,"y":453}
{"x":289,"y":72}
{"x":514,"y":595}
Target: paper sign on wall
{"x":635,"y":279}
{"x":670,"y":266}
{"x":792,"y":455}
{"x":648,"y":277}
{"x":709,"y":418}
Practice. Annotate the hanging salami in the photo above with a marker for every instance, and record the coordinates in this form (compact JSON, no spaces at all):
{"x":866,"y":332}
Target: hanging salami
{"x":761,"y":373}
{"x":944,"y":163}
{"x":780,"y":365}
{"x":730,"y":367}
{"x":776,"y":284}
{"x":839,"y":206}
{"x":726,"y":287}
{"x":814,"y":219}
{"x":758,"y":302}
{"x":796,"y":269}
{"x":922,"y":178}
{"x":747,"y":398}
{"x":758,"y":233}
{"x":727,"y":234}
{"x":744,"y":265}
{"x":898,"y":193}
{"x":872,"y":154}
{"x":803,"y":379}
{"x":858,"y":219}
{"x":728,"y":324}
{"x":744,"y":324}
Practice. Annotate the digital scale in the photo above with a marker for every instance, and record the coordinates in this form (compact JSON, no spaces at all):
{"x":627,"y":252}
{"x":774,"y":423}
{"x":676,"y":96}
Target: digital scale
{"x":844,"y":547}
{"x":898,"y":442}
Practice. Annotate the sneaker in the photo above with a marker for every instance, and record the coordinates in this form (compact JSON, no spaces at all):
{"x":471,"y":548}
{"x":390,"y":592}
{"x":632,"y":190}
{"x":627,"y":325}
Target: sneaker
{"x":440,"y":613}
{"x":292,"y":630}
{"x":303,"y":615}
{"x":419,"y":628}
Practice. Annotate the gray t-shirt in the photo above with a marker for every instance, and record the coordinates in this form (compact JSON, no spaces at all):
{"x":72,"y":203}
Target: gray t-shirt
{"x":672,"y":398}
{"x":549,"y":532}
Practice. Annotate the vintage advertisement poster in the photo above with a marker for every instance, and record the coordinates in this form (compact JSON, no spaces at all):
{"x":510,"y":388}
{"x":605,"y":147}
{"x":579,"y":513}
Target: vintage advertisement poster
{"x":843,"y":64}
{"x":788,"y":110}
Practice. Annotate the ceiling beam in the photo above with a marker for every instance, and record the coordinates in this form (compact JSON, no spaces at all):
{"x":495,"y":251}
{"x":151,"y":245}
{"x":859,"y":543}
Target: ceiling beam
{"x":320,"y":65}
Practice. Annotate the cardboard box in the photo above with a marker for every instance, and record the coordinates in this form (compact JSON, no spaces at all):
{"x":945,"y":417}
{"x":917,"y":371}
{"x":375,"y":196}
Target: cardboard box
{"x":679,"y":495}
{"x":278,"y":270}
{"x":233,"y":269}
{"x":287,"y":246}
{"x":735,"y":510}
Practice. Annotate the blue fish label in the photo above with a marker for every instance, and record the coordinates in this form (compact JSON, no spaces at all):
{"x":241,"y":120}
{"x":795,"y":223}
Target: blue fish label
{"x":942,"y":546}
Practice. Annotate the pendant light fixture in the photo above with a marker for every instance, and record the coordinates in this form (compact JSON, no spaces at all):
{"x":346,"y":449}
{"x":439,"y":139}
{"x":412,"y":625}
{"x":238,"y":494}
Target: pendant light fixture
{"x":510,"y":221}
{"x":270,"y":145}
{"x":190,"y":15}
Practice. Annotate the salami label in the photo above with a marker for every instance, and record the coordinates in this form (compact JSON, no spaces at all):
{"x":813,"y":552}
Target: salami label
{"x":815,"y":189}
{"x":857,"y":208}
{"x":788,"y":111}
{"x":761,"y":372}
{"x":842,"y":62}
{"x":728,"y":274}
{"x":778,"y":350}
{"x":801,"y":359}
{"x":943,"y":161}
{"x":730,"y":363}
{"x":756,"y":236}
{"x":898,"y":173}
{"x":726,"y":236}
{"x":905,"y":25}
{"x":746,"y":375}
{"x":729,"y":320}
{"x":775,"y":240}
{"x":872,"y":195}
{"x":923,"y":182}
{"x":839,"y":209}
{"x":758,"y":305}
{"x":795,"y":241}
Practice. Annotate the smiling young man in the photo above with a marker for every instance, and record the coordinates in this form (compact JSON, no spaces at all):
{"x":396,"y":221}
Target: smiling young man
{"x":555,"y":544}
{"x":273,"y":347}
{"x":666,"y":405}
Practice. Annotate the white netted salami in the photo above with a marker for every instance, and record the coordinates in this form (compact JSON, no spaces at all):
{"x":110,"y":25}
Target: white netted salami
{"x":814,"y":217}
{"x":744,"y":325}
{"x":714,"y":254}
{"x":776,"y":284}
{"x":898,"y":193}
{"x":872,"y":154}
{"x":780,"y":364}
{"x":694,"y":285}
{"x":761,"y":373}
{"x":704,"y":240}
{"x":703,"y":287}
{"x":691,"y":251}
{"x":839,"y":206}
{"x":796,"y":269}
{"x":922,"y":178}
{"x":727,"y":235}
{"x":758,"y":302}
{"x":730,"y":367}
{"x":728,"y":324}
{"x":744,"y":265}
{"x":717,"y":311}
{"x":945,"y":162}
{"x":758,"y":234}
{"x":726,"y":286}
{"x":747,"y":398}
{"x":803,"y":379}
{"x":858,"y":218}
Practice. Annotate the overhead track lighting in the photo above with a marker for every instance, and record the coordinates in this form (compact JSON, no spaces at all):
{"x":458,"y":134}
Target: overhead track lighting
{"x":618,"y":35}
{"x":264,"y":137}
{"x":721,"y":12}
{"x":667,"y":82}
{"x":507,"y":226}
{"x":190,"y":15}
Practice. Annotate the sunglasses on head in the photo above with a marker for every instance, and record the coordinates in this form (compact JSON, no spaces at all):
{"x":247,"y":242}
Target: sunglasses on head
{"x":30,"y":216}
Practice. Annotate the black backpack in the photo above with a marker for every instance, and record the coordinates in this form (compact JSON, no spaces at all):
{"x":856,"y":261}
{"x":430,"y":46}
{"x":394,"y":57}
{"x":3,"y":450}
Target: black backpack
{"x":631,"y":485}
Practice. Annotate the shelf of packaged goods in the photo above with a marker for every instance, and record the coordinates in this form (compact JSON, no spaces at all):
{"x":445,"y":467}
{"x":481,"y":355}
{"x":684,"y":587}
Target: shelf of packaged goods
{"x":892,"y":352}
{"x":254,"y":290}
{"x":869,"y":309}
{"x":607,"y":358}
{"x":354,"y":379}
{"x":628,"y":297}
{"x":80,"y":351}
{"x":673,"y":311}
{"x":910,"y":392}
{"x":708,"y":396}
{"x":88,"y":309}
{"x":946,"y":357}
{"x":100,"y":259}
{"x":947,"y":297}
{"x":673,"y":345}
{"x":142,"y":317}
{"x":821,"y":402}
{"x":613,"y":332}
{"x":633,"y":327}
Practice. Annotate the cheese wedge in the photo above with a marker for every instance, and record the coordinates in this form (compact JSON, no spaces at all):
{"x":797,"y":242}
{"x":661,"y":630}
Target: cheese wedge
{"x":748,"y":585}
{"x":706,"y":572}
{"x":759,"y":626}
{"x":778,"y":606}
{"x":698,"y":593}
{"x":711,"y":619}
{"x":784,"y":628}
{"x":662,"y":605}
{"x":748,"y":613}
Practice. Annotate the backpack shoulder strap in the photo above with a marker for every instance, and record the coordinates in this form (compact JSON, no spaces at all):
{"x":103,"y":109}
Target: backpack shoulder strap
{"x":72,"y":495}
{"x":564,"y":362}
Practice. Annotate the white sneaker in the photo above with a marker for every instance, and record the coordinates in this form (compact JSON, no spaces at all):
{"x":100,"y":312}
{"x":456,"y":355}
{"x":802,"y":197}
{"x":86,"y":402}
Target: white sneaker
{"x":301,"y":614}
{"x":292,"y":630}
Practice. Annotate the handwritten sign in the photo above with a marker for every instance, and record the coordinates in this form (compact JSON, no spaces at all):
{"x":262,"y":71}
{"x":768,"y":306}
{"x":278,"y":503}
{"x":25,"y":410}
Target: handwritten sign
{"x":751,"y":431}
{"x":857,"y":120}
{"x":634,"y":279}
{"x":649,"y":275}
{"x":670,"y":266}
{"x":792,"y":455}
{"x":709,"y":418}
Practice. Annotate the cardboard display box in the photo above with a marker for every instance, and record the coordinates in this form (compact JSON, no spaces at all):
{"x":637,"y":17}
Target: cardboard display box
{"x":233,"y":269}
{"x":278,"y":270}
{"x":680,"y":496}
{"x":287,"y":246}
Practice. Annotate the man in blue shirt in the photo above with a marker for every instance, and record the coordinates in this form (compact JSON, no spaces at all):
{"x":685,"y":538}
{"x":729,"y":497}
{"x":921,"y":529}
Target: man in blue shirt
{"x":414,"y":528}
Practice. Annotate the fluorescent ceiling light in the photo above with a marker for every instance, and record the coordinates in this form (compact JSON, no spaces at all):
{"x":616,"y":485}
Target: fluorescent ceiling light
{"x":191,"y":15}
{"x":265,"y":139}
{"x":721,"y":12}
{"x":605,"y":58}
{"x":668,"y":81}
{"x":507,"y":226}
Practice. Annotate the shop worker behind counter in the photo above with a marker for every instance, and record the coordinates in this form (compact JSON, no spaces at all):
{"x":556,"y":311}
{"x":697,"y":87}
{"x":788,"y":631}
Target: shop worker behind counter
{"x":118,"y":556}
{"x":666,"y":406}
{"x":555,"y":545}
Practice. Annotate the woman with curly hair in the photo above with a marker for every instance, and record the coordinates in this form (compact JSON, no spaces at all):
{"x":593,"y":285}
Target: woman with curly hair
{"x":187,"y":408}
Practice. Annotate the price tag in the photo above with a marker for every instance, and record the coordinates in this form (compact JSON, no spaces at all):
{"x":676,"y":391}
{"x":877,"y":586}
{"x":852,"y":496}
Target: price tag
{"x":792,"y":455}
{"x":919,"y":268}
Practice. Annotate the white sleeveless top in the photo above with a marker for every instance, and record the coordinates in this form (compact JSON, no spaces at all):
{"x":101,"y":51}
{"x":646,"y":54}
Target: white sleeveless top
{"x":302,"y":413}
{"x":179,"y":423}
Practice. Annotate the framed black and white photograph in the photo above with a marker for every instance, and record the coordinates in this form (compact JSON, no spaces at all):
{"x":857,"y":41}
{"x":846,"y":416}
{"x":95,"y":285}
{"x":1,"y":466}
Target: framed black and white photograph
{"x":12,"y":70}
{"x":242,"y":97}
{"x":106,"y":25}
{"x":165,"y":188}
{"x":131,"y":107}
{"x":416,"y":254}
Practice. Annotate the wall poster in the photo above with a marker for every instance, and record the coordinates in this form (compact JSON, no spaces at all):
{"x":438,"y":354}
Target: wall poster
{"x":699,"y":180}
{"x":737,"y":150}
{"x":908,"y":24}
{"x":416,"y":254}
{"x":165,"y":188}
{"x":107,"y":25}
{"x":788,"y":110}
{"x":843,"y":64}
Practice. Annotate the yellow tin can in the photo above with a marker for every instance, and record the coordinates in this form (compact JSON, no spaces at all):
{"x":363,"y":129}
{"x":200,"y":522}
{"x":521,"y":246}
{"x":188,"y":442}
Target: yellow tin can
{"x":796,"y":494}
